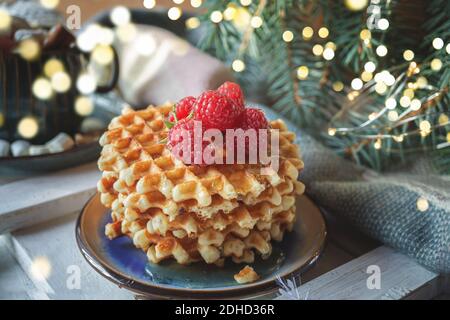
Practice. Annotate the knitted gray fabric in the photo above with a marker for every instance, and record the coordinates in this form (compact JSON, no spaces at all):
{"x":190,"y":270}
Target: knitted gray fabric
{"x":384,"y":206}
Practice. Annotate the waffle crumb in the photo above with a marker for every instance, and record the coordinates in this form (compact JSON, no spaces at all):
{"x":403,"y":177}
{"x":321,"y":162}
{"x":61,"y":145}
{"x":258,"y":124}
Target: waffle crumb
{"x":246,"y":275}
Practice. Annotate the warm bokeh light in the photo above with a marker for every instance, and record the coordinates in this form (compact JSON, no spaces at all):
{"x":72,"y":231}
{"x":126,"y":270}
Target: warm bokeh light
{"x":28,"y":127}
{"x":29,"y":49}
{"x":84,"y":106}
{"x":174,"y":13}
{"x":192,"y":23}
{"x":238,"y":65}
{"x":302,"y":72}
{"x":216,"y":16}
{"x":61,"y":82}
{"x":103,"y":55}
{"x":53,"y":66}
{"x":86,"y":83}
{"x":288,"y":36}
{"x":120,"y":16}
{"x":5,"y":20}
{"x":149,"y":4}
{"x":42,"y":88}
{"x":49,"y":4}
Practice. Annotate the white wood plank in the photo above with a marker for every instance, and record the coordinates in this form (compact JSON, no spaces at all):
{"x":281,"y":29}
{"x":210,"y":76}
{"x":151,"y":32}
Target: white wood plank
{"x":14,"y":283}
{"x":42,"y":198}
{"x":401,"y":278}
{"x":55,"y":242}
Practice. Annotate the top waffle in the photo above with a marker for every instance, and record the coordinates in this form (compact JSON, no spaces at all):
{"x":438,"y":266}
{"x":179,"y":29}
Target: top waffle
{"x":137,"y":164}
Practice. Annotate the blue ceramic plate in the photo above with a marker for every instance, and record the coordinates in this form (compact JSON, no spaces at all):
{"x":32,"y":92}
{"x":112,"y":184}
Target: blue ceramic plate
{"x":119,"y":261}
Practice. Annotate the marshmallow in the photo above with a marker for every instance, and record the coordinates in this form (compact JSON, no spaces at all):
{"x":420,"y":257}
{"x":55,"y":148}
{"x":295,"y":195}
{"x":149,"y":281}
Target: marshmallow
{"x":20,"y":148}
{"x":60,"y":143}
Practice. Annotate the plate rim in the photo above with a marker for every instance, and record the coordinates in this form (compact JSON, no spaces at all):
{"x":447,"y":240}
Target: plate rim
{"x":142,"y":288}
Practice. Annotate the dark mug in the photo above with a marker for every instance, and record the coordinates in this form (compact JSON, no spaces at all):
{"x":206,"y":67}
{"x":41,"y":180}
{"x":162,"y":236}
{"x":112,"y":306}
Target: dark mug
{"x":55,"y":115}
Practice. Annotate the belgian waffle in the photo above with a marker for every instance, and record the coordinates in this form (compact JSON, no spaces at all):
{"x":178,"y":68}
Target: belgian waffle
{"x":173,"y":210}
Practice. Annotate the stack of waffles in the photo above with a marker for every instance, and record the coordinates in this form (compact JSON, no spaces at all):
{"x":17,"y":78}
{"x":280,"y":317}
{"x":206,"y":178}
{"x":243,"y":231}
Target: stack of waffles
{"x":187,"y":212}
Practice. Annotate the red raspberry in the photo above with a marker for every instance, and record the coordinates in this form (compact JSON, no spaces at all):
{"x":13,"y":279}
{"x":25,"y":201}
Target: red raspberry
{"x":255,"y":119}
{"x":185,"y":128}
{"x":217,"y":111}
{"x":233,"y":91}
{"x":183,"y":109}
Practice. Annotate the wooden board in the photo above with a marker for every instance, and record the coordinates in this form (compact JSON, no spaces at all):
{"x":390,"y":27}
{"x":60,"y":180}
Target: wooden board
{"x":401,"y":278}
{"x":42,"y":198}
{"x":55,"y":243}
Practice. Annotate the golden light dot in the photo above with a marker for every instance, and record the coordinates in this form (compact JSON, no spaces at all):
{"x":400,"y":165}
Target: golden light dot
{"x":390,"y":103}
{"x":196,"y":3}
{"x":380,"y":88}
{"x":415,"y":104}
{"x":307,"y":32}
{"x":448,"y":137}
{"x":84,"y":106}
{"x":399,"y":138}
{"x":61,"y":82}
{"x":331,"y":45}
{"x":2,"y":119}
{"x":42,"y":89}
{"x":383,"y":24}
{"x":393,"y":115}
{"x":149,"y":4}
{"x":120,"y":15}
{"x":28,"y":127}
{"x":409,"y":93}
{"x":216,"y":16}
{"x":174,"y":13}
{"x":377,"y":144}
{"x":317,"y":50}
{"x":246,"y":3}
{"x":178,"y":1}
{"x":373,"y":116}
{"x":86,"y":83}
{"x":49,"y":4}
{"x":356,"y":5}
{"x":103,"y":55}
{"x":53,"y":66}
{"x":5,"y":20}
{"x":241,"y":18}
{"x":40,"y":269}
{"x":365,"y":34}
{"x":366,"y":76}
{"x":438,"y":43}
{"x":447,"y":48}
{"x":29,"y":49}
{"x":328,"y":54}
{"x":331,"y":131}
{"x":288,"y":36}
{"x":408,"y":55}
{"x":352,"y":95}
{"x":323,"y":32}
{"x":422,"y":82}
{"x":229,"y":13}
{"x":436,"y":64}
{"x":381,"y":51}
{"x":302,"y":72}
{"x":425,"y":125}
{"x":357,"y":84}
{"x":405,"y":102}
{"x":338,"y":86}
{"x":192,"y":23}
{"x":422,"y":204}
{"x":126,"y":33}
{"x":256,"y":22}
{"x":238,"y":65}
{"x":369,"y":66}
{"x":443,"y":119}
